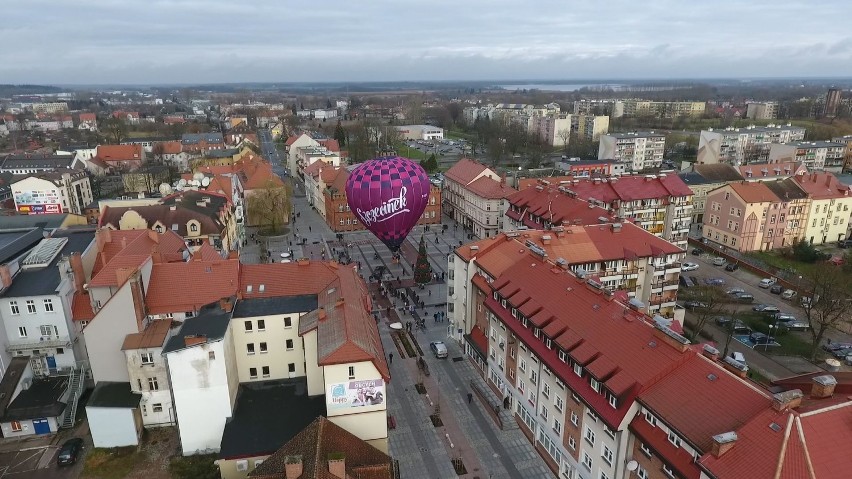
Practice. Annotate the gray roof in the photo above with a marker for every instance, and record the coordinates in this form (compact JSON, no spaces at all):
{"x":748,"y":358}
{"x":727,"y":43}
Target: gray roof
{"x":636,"y":134}
{"x":692,"y":178}
{"x":248,"y":308}
{"x":211,"y":322}
{"x":10,"y":381}
{"x":192,"y":138}
{"x":15,"y":242}
{"x":257,"y":427}
{"x":786,"y":189}
{"x":41,"y":399}
{"x":222,"y":153}
{"x":44,"y":281}
{"x":718,"y":173}
{"x":114,"y":394}
{"x":48,"y":222}
{"x":39,"y":162}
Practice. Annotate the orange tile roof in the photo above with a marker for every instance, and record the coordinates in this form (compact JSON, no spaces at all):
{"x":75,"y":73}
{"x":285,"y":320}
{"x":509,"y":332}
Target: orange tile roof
{"x":223,"y":185}
{"x":330,"y":144}
{"x":287,"y":279}
{"x":87,"y":117}
{"x":755,"y":170}
{"x":314,"y":168}
{"x":820,"y":186}
{"x":81,"y":307}
{"x":169,"y":147}
{"x":489,"y":188}
{"x":754,"y":192}
{"x":210,"y":280}
{"x":465,"y":170}
{"x":120,"y":152}
{"x":121,"y":250}
{"x":525,"y":183}
{"x":152,"y":337}
{"x":553,"y":206}
{"x":206,"y":253}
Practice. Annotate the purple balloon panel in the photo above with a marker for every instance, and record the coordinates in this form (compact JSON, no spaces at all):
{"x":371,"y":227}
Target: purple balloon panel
{"x":388,"y":195}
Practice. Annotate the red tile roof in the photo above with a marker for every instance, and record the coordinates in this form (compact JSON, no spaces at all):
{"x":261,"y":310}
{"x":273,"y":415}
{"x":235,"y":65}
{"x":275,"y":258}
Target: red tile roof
{"x":489,"y":188}
{"x":206,"y":253}
{"x":81,"y":307}
{"x":465,"y":170}
{"x":88,"y":117}
{"x":210,"y":280}
{"x":540,"y":205}
{"x":755,"y":170}
{"x":699,"y":400}
{"x":546,"y":181}
{"x":287,"y":279}
{"x":110,"y":153}
{"x":754,"y":192}
{"x":222,"y":185}
{"x":152,"y":337}
{"x":128,"y":249}
{"x":820,"y":186}
{"x":330,"y":144}
{"x":630,"y":188}
{"x":168,"y":147}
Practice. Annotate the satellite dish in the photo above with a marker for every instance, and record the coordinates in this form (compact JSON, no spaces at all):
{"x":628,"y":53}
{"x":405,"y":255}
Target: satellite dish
{"x":181,"y":183}
{"x":205,"y":182}
{"x":198,"y":176}
{"x":632,"y":466}
{"x":165,"y":189}
{"x":196,"y":183}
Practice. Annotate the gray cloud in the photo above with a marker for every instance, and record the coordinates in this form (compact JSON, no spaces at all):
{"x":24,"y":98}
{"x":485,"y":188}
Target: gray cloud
{"x":194,"y":41}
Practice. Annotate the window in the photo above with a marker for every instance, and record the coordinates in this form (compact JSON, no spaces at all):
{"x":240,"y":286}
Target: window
{"x":289,"y":344}
{"x":521,"y":385}
{"x":265,"y":371}
{"x":650,"y":418}
{"x":48,"y":305}
{"x":557,"y":426}
{"x":263,"y":349}
{"x":60,"y":350}
{"x":248,"y":326}
{"x":261,"y":325}
{"x":603,"y":475}
{"x":16,"y":426}
{"x":613,"y":401}
{"x":595,"y":385}
{"x":211,"y":355}
{"x":558,"y":403}
{"x":571,"y":443}
{"x":609,"y":432}
{"x":147,"y":358}
{"x":533,"y":377}
{"x":522,"y":365}
{"x":250,"y":348}
{"x":674,"y":439}
{"x":668,"y":471}
{"x":46,"y":330}
{"x":13,"y":305}
{"x":578,"y":370}
{"x":252,"y":373}
{"x":575,"y":420}
{"x":153,"y":385}
{"x":22,"y":331}
{"x":546,"y":390}
{"x":291,"y":368}
{"x":587,"y":461}
{"x":645,"y":449}
{"x":288,"y":323}
{"x":351,"y":372}
{"x":31,"y":306}
{"x":641,"y":473}
{"x":193,"y":227}
{"x":590,"y":436}
{"x":157,"y":407}
{"x":544,"y":412}
{"x":606,"y":454}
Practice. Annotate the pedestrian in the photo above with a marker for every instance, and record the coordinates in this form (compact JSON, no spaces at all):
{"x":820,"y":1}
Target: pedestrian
{"x":310,"y":229}
{"x":390,"y":357}
{"x":469,"y":398}
{"x":430,"y":292}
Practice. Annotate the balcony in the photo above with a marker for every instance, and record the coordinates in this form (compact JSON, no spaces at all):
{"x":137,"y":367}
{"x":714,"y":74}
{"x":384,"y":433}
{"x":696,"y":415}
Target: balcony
{"x":46,"y":342}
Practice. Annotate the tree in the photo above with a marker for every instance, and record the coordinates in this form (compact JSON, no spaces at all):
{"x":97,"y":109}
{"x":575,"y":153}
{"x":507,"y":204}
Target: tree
{"x":826,"y":302}
{"x":422,"y":269}
{"x":805,"y":252}
{"x":269,"y":207}
{"x":328,"y":103}
{"x":115,"y":130}
{"x":340,"y":134}
{"x":495,"y":151}
{"x":715,"y":304}
{"x":430,"y":164}
{"x":565,"y":136}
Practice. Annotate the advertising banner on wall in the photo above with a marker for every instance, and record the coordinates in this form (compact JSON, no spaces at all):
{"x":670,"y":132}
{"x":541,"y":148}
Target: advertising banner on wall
{"x":39,"y":209}
{"x":352,"y":394}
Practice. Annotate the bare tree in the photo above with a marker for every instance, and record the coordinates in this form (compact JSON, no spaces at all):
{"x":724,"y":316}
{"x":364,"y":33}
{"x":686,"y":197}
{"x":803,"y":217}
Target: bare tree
{"x":714,"y":303}
{"x":826,"y":302}
{"x":565,"y":136}
{"x":269,"y":207}
{"x":115,"y":129}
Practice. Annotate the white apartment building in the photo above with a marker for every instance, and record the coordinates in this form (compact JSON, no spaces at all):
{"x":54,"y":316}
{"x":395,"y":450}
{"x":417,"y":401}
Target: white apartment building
{"x":663,"y":109}
{"x":611,"y":108}
{"x":639,"y":150}
{"x":830,"y":207}
{"x":814,"y":155}
{"x":739,"y":146}
{"x":553,"y":130}
{"x":146,"y":369}
{"x":54,"y":107}
{"x":293,"y":144}
{"x":763,"y":110}
{"x":58,"y":191}
{"x":590,"y":127}
{"x":474,"y":195}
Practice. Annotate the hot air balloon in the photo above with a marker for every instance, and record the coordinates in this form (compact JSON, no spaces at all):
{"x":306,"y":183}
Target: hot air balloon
{"x":388,"y":195}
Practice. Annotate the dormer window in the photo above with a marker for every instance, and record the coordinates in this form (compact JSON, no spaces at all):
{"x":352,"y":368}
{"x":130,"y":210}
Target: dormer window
{"x":193,"y":227}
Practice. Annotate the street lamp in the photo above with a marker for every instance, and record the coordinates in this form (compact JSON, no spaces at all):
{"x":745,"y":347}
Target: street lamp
{"x":769,"y":338}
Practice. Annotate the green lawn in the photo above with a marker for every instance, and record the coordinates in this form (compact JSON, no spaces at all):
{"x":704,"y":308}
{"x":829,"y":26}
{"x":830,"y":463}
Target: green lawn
{"x":111,"y":463}
{"x":458,"y":135}
{"x":781,"y":262}
{"x":792,"y":344}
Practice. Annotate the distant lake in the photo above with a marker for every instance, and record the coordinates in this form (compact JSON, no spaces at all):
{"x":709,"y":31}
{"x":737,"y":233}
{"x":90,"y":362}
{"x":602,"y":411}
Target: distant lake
{"x":561,"y":86}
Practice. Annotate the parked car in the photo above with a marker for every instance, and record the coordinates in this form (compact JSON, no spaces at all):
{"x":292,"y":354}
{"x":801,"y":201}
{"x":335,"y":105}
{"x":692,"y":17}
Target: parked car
{"x":689,"y":267}
{"x":732,"y":266}
{"x":844,"y":243}
{"x":776,"y":289}
{"x":696,"y":251}
{"x":783,"y":317}
{"x":759,"y":338}
{"x":735,"y":291}
{"x":695,"y":304}
{"x":795,"y":325}
{"x":745,"y":298}
{"x":714,"y":281}
{"x":841,"y":353}
{"x":788,"y":294}
{"x":738,"y":357}
{"x":766,"y":282}
{"x":835,"y":346}
{"x":723,"y":320}
{"x":719,"y":261}
{"x":765,"y":308}
{"x":439,"y":348}
{"x":69,"y":452}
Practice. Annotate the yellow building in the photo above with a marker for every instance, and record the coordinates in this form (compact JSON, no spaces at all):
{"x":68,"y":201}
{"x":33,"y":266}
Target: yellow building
{"x":830,"y":202}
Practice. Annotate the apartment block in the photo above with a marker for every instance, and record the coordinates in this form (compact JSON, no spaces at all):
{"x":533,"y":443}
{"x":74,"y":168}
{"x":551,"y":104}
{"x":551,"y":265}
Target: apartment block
{"x":611,"y":108}
{"x":846,"y":140}
{"x":830,"y":202}
{"x":814,"y":155}
{"x":553,"y":130}
{"x":702,"y":179}
{"x":663,"y":109}
{"x":638,"y":150}
{"x":763,"y":110}
{"x":590,"y":127}
{"x":475,"y":196}
{"x":739,"y":146}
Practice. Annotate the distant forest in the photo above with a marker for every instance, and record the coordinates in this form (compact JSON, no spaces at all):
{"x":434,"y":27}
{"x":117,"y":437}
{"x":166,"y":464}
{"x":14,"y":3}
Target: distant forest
{"x":10,"y":90}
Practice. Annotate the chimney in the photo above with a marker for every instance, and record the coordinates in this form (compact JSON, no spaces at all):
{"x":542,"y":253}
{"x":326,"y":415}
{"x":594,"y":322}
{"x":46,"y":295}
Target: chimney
{"x":193,"y":339}
{"x":827,"y":180}
{"x":545,"y":239}
{"x":735,"y":367}
{"x":76,"y":262}
{"x":339,"y":302}
{"x":233,"y":254}
{"x":103,"y":236}
{"x":321,"y":314}
{"x":787,"y":400}
{"x":303,"y":262}
{"x":823,"y":386}
{"x":337,"y":465}
{"x":722,"y":443}
{"x":293,"y":467}
{"x":123,"y":242}
{"x":616,"y":227}
{"x":5,"y":276}
{"x":226,"y":304}
{"x":710,"y":352}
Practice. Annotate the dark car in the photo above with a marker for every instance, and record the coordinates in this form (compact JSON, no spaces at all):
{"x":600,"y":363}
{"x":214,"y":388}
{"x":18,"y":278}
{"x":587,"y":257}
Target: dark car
{"x":759,"y":338}
{"x":845,"y":243}
{"x":69,"y":452}
{"x":745,"y":298}
{"x":841,"y":353}
{"x":696,"y":251}
{"x":714,"y":281}
{"x":835,"y":346}
{"x":732,"y":266}
{"x":776,"y":289}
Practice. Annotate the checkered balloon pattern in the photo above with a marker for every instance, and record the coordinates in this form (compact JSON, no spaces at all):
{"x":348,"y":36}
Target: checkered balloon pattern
{"x":388,"y":195}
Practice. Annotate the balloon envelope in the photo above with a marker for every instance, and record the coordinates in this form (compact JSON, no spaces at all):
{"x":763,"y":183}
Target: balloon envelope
{"x":388,"y":195}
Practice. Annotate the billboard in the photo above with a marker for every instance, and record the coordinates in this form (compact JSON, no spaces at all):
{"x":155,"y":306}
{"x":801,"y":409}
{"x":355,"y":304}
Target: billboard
{"x":353,"y":394}
{"x":39,"y":209}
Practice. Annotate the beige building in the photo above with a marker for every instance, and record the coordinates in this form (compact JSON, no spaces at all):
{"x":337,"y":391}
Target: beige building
{"x":702,"y":180}
{"x":553,"y":130}
{"x":475,"y":196}
{"x":638,"y":150}
{"x":814,"y":155}
{"x":590,"y":127}
{"x":739,"y":146}
{"x":830,"y":202}
{"x":59,"y":191}
{"x":663,"y":109}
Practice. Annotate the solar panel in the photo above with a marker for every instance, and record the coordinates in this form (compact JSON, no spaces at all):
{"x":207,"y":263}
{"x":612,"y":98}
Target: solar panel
{"x":44,"y":252}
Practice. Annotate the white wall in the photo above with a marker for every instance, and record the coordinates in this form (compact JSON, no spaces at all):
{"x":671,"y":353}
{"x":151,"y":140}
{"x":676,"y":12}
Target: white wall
{"x":366,"y":422}
{"x":276,"y":357}
{"x":27,"y":428}
{"x":56,"y":322}
{"x":105,"y":335}
{"x":112,"y":426}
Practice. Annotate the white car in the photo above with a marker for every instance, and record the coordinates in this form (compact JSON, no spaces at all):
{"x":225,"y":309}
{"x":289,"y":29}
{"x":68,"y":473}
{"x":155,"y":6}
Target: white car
{"x":688,"y":267}
{"x":767,"y":282}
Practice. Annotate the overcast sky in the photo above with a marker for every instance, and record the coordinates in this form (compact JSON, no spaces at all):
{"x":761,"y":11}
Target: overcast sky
{"x":205,"y":41}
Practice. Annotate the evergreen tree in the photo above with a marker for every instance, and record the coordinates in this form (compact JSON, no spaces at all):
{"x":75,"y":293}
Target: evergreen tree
{"x":422,"y":269}
{"x":340,"y":134}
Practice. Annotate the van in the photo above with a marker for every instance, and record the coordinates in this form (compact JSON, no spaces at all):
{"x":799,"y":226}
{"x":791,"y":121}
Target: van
{"x":745,"y":298}
{"x":719,"y":261}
